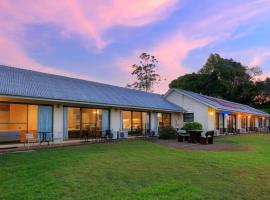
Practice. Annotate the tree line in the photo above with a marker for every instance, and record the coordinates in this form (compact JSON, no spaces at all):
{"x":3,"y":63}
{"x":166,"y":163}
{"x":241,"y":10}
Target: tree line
{"x":219,"y":77}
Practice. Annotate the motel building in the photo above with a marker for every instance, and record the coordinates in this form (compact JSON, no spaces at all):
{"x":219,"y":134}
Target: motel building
{"x":63,"y":109}
{"x":222,"y":116}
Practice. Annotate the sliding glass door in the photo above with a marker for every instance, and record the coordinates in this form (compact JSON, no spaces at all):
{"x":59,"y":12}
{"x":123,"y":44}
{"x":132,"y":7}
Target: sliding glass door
{"x":18,"y":119}
{"x":80,"y":121}
{"x":164,"y":120}
{"x":135,"y":122}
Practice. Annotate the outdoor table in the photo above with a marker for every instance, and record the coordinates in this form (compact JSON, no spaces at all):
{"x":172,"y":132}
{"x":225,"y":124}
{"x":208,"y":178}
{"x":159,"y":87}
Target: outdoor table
{"x":195,"y":136}
{"x":181,"y":137}
{"x":44,"y":136}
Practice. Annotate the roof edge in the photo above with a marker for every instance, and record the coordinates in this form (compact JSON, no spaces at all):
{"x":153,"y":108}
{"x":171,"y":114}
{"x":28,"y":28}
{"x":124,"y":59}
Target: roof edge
{"x":181,"y":110}
{"x":181,"y":91}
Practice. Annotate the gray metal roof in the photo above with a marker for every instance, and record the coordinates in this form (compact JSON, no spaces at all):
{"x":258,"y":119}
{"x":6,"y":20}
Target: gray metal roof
{"x":221,"y":104}
{"x":27,"y":83}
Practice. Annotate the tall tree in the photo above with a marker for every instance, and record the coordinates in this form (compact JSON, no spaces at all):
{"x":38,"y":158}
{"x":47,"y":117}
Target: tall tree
{"x":224,"y":78}
{"x":145,"y":73}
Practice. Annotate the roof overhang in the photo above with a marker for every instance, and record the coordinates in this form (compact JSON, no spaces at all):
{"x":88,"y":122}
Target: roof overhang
{"x":61,"y":101}
{"x":212,"y":106}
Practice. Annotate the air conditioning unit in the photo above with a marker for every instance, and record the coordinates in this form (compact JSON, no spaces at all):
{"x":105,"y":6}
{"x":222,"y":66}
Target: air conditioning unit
{"x":122,"y":134}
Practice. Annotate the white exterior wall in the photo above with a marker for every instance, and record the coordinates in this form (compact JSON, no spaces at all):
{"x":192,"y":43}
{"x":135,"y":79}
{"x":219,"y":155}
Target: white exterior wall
{"x":191,"y":106}
{"x":211,"y":120}
{"x":115,"y":119}
{"x":58,"y":122}
{"x":177,"y":120}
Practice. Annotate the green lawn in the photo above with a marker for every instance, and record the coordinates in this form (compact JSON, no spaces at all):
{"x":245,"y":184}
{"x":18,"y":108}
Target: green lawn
{"x":138,"y":170}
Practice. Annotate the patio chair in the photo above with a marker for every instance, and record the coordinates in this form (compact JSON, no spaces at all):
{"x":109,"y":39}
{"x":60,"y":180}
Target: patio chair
{"x":194,"y":136}
{"x":207,"y":137}
{"x":182,"y":135}
{"x":108,"y":136}
{"x":29,"y":139}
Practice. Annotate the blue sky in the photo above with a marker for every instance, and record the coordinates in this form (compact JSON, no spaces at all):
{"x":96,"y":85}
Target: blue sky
{"x":100,"y":40}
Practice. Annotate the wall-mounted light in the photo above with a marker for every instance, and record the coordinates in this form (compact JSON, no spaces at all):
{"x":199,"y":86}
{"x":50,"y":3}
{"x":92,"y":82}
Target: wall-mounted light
{"x":211,"y":113}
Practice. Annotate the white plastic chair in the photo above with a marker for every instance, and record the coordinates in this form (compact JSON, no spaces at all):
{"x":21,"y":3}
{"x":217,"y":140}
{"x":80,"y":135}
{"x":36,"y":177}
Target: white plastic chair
{"x":29,"y":139}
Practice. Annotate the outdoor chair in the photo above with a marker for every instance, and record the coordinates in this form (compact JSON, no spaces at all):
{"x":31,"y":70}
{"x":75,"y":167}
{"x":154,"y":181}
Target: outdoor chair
{"x":108,"y":136}
{"x":149,"y":133}
{"x":207,"y":137}
{"x":194,"y":136}
{"x":29,"y":139}
{"x":182,"y":135}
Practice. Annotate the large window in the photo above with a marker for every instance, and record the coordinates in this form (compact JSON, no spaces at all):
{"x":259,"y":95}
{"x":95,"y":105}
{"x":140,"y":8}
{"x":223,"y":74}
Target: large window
{"x":252,"y":122}
{"x":164,"y":119}
{"x":126,"y":120}
{"x":231,"y":122}
{"x":243,"y":122}
{"x":137,"y":123}
{"x":16,"y":120}
{"x":86,"y":120}
{"x":74,"y":122}
{"x":188,"y":117}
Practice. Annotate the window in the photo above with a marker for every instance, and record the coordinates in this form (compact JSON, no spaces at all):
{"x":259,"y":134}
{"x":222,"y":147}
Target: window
{"x":135,"y":122}
{"x":73,"y":122}
{"x":231,"y":121}
{"x":252,"y":122}
{"x":164,"y":119}
{"x":16,"y":120}
{"x":243,"y":122}
{"x":33,"y":119}
{"x":82,"y":120}
{"x":188,"y":117}
{"x":126,"y":120}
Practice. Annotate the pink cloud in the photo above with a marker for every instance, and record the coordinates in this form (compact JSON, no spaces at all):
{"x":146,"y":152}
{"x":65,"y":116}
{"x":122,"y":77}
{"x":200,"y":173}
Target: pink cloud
{"x":86,"y":20}
{"x":217,"y":26}
{"x":170,"y":52}
{"x":11,"y":53}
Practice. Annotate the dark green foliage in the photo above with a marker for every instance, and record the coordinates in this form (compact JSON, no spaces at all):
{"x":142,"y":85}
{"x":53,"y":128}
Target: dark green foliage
{"x":167,"y":133}
{"x":227,"y":79}
{"x":192,"y":126}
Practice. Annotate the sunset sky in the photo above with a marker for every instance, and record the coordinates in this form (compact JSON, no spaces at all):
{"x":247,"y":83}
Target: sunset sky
{"x":99,"y":40}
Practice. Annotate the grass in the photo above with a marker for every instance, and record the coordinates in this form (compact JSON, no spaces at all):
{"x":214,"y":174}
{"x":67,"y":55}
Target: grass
{"x":138,"y":170}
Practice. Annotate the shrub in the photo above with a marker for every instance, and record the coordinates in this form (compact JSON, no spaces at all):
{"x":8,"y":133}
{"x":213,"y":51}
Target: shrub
{"x":192,"y":126}
{"x":167,"y":133}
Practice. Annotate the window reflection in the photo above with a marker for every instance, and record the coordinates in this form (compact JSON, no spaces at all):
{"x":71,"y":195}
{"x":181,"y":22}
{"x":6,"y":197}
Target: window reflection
{"x":87,"y":121}
{"x":137,"y":123}
{"x":16,"y":120}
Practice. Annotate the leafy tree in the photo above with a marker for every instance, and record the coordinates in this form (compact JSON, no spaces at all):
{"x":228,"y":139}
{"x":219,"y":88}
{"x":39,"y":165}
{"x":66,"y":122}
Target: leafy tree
{"x":145,"y":73}
{"x":227,"y":79}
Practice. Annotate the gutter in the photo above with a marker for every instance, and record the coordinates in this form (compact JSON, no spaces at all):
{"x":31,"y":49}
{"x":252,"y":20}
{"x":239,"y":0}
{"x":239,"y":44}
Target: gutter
{"x":90,"y":103}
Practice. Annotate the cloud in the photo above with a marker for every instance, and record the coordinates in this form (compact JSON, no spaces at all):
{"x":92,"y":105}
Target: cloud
{"x":11,"y":53}
{"x":217,"y":25}
{"x":85,"y":20}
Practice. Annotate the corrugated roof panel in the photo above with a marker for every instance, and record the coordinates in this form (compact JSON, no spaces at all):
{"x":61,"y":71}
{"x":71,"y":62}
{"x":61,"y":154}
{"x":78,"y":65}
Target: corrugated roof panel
{"x":27,"y":83}
{"x":222,"y":104}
